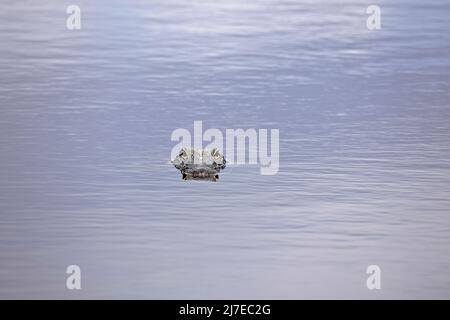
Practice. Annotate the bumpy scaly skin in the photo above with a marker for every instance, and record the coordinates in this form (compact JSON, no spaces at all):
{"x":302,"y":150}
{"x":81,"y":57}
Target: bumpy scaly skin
{"x":199,"y":164}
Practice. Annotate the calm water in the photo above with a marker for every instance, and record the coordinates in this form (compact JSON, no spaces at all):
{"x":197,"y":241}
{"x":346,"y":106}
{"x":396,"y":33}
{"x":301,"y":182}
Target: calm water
{"x":85,"y":124}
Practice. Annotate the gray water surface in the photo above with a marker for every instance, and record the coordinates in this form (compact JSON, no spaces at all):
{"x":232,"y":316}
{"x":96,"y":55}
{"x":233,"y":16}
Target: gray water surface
{"x":86,"y":118}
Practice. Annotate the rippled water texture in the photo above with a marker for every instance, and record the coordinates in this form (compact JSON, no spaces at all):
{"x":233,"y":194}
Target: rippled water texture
{"x":85,"y":123}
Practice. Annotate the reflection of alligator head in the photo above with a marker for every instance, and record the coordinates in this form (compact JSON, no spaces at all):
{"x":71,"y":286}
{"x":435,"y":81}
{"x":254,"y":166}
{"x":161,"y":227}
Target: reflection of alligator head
{"x":204,"y":164}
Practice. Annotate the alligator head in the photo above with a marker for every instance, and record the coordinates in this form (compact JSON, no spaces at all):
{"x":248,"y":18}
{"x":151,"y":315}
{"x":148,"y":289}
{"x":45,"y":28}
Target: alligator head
{"x":199,"y":164}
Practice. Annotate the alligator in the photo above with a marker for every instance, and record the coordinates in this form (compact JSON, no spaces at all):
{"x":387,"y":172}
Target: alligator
{"x":199,"y":164}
